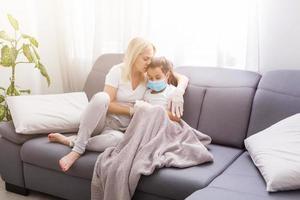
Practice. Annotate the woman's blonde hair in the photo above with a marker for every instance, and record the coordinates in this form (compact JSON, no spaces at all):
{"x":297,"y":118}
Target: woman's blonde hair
{"x":135,"y":47}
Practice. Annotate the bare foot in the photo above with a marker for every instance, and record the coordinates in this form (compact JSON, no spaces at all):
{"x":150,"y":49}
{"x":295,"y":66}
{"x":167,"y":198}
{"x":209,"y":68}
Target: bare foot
{"x":59,"y":138}
{"x":67,"y":161}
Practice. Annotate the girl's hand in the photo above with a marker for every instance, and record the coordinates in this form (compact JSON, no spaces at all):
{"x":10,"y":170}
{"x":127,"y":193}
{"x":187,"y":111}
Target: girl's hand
{"x":172,"y":117}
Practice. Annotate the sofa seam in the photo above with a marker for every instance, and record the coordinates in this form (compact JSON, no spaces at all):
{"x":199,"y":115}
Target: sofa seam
{"x":156,"y":194}
{"x":226,"y":189}
{"x":249,"y":118}
{"x":277,"y":92}
{"x":200,"y":112}
{"x":226,"y":167}
{"x":228,"y":87}
{"x":52,"y":170}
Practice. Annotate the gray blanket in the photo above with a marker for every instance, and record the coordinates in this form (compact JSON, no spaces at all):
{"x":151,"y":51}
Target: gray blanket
{"x":151,"y":141}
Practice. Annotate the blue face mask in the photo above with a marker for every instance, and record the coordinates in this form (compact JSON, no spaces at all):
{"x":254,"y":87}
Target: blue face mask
{"x":157,"y":85}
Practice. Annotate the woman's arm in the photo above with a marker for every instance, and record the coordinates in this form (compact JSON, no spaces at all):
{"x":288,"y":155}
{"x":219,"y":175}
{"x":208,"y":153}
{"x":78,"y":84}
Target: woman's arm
{"x":176,"y":100}
{"x":114,"y":107}
{"x":182,"y":81}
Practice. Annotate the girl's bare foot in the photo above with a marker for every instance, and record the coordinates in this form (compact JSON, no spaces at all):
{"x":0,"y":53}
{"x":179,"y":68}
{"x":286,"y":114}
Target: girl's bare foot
{"x":59,"y":138}
{"x":67,"y":161}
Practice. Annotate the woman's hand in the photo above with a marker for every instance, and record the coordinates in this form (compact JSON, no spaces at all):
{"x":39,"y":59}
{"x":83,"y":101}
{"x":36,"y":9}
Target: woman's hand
{"x":140,"y":103}
{"x":176,"y":100}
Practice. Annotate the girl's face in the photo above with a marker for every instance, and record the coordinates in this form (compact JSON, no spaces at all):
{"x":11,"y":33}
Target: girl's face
{"x":156,"y":74}
{"x":143,"y":60}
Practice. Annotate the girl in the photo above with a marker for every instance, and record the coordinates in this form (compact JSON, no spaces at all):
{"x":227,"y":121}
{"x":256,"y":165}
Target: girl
{"x":161,"y":83}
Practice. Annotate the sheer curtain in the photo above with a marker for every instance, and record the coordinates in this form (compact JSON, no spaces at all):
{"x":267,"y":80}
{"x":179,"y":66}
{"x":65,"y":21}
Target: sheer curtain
{"x":217,"y":33}
{"x":75,"y":31}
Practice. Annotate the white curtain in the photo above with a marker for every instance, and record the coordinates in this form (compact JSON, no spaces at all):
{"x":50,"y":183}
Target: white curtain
{"x":220,"y":33}
{"x":217,"y":33}
{"x":75,"y":38}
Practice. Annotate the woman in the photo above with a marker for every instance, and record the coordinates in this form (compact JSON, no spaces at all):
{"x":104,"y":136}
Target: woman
{"x":109,"y":112}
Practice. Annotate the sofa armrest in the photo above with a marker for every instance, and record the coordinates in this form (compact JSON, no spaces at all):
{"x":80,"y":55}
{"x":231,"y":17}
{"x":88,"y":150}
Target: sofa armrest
{"x":7,"y":131}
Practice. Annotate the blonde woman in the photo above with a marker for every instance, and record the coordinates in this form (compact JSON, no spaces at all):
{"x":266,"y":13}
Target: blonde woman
{"x":108,"y":114}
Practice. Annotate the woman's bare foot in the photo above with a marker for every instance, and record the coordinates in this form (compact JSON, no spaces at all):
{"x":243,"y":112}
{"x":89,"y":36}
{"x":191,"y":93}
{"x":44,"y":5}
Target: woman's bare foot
{"x":67,"y":161}
{"x":59,"y":138}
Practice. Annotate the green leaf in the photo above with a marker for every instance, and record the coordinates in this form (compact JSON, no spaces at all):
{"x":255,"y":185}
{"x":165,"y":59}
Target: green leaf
{"x":2,"y":98}
{"x":12,"y":91}
{"x":31,"y":39}
{"x":25,"y":36}
{"x":2,"y":112}
{"x":2,"y":88}
{"x":36,"y":53}
{"x":6,"y":56}
{"x":28,"y":91}
{"x":4,"y":36}
{"x":16,"y":92}
{"x":7,"y":114}
{"x":27,"y":52}
{"x":35,"y":59}
{"x":14,"y":23}
{"x":9,"y":91}
{"x":44,"y":73}
{"x":34,"y":42}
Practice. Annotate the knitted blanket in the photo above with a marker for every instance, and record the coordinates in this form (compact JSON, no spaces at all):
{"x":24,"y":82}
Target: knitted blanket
{"x":151,"y":141}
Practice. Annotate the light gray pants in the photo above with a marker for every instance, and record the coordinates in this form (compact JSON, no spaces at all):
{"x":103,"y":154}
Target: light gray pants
{"x":93,"y":133}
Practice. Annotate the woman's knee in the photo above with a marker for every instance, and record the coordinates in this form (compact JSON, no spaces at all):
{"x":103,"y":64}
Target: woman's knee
{"x":101,"y":98}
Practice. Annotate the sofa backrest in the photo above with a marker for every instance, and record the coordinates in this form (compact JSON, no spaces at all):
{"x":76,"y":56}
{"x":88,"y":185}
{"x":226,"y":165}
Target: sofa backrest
{"x":218,"y":102}
{"x":277,"y":97}
{"x":96,"y":78}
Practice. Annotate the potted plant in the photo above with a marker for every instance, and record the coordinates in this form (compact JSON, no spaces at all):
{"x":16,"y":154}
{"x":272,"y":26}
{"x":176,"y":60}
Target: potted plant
{"x":11,"y":49}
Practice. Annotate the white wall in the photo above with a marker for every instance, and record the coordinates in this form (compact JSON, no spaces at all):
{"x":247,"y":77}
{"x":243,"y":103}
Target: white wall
{"x":279,"y":34}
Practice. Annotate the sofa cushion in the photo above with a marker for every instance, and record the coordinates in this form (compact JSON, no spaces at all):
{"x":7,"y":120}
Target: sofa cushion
{"x":96,"y":77}
{"x":40,"y":152}
{"x":177,"y":183}
{"x":277,"y":97}
{"x":7,"y":131}
{"x":224,"y":110}
{"x":225,"y":115}
{"x":193,"y":99}
{"x":241,"y":180}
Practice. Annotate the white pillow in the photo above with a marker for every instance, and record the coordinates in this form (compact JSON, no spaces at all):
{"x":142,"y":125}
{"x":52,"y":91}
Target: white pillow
{"x":276,"y":153}
{"x":35,"y":114}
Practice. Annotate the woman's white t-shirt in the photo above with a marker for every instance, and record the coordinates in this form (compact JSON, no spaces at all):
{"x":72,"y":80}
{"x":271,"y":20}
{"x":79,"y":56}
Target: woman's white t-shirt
{"x":125,"y":95}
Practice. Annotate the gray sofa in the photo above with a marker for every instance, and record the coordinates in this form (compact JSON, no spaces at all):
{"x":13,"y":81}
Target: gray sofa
{"x":229,"y":105}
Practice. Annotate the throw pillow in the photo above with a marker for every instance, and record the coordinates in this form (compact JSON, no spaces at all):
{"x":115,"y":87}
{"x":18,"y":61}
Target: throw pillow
{"x":276,"y":153}
{"x":35,"y":114}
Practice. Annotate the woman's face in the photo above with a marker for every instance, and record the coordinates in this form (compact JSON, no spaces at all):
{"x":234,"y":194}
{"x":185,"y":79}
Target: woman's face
{"x":143,"y":60}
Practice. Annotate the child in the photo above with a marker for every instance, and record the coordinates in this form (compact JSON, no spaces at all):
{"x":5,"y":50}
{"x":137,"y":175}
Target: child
{"x":161,"y":84}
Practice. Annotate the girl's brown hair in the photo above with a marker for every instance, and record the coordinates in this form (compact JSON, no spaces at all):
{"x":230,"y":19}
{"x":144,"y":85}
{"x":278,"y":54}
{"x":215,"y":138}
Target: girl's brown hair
{"x":166,"y":66}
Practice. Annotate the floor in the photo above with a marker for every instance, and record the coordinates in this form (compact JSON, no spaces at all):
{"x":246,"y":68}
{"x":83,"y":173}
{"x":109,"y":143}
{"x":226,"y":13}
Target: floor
{"x":4,"y":195}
